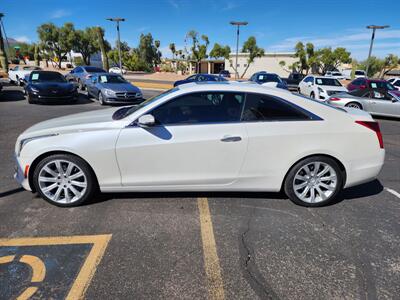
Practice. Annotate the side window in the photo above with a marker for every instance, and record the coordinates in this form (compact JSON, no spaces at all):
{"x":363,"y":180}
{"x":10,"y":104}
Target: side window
{"x":356,"y":82}
{"x":200,"y":108}
{"x":16,"y":68}
{"x":397,"y":83}
{"x":259,"y":107}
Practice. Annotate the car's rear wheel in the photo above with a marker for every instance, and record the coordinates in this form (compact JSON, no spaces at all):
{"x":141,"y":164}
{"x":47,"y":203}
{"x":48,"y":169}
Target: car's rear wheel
{"x":64,"y":180}
{"x":354,"y":105}
{"x":314,"y":181}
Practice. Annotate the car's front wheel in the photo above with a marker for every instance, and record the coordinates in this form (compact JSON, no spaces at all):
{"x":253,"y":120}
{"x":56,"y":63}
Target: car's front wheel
{"x":314,"y":181}
{"x":353,"y":105}
{"x":101,"y":98}
{"x":64,"y":180}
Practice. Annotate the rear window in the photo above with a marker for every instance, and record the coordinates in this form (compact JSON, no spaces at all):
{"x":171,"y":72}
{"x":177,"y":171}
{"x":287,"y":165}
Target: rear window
{"x":269,"y":78}
{"x":359,"y":73}
{"x":260,"y":107}
{"x":94,"y":70}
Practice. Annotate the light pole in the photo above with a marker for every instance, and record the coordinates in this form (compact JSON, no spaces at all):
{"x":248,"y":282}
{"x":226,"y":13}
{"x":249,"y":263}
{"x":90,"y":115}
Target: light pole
{"x":374,"y":28}
{"x":117,"y":20}
{"x":238,"y":24}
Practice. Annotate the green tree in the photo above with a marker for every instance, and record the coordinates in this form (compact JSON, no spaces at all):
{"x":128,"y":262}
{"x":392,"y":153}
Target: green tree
{"x":250,"y":47}
{"x":198,"y":50}
{"x":86,"y":43}
{"x":390,"y":62}
{"x":58,"y":40}
{"x":375,"y":65}
{"x":103,"y":47}
{"x":148,"y":51}
{"x":219,"y":51}
{"x":327,"y":60}
{"x":173,"y":50}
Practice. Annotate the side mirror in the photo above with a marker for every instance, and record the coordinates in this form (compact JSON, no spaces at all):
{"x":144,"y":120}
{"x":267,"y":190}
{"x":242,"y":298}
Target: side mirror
{"x":146,"y":120}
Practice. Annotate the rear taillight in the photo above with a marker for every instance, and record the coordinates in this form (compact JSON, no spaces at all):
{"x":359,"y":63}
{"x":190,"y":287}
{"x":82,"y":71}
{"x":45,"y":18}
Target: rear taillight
{"x":375,"y":127}
{"x":334,"y":99}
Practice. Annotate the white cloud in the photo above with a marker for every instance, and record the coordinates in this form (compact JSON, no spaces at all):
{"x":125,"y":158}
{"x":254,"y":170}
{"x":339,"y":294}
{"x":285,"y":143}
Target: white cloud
{"x":22,"y":39}
{"x":359,"y":42}
{"x":59,"y":13}
{"x":174,"y":3}
{"x":230,"y":5}
{"x":143,"y":28}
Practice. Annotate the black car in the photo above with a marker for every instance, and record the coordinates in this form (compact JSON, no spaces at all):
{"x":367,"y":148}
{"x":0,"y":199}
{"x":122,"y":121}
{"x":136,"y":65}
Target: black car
{"x":200,"y":77}
{"x":225,"y":73}
{"x":264,"y":77}
{"x":49,"y":86}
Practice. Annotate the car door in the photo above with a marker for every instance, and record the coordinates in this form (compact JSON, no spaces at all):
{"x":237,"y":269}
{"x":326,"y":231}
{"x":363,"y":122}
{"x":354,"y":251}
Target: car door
{"x":197,"y":140}
{"x":277,"y":131}
{"x":383,"y":103}
{"x":91,"y":86}
{"x":302,"y":85}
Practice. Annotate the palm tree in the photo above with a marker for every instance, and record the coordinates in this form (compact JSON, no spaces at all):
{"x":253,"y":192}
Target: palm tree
{"x":173,"y":49}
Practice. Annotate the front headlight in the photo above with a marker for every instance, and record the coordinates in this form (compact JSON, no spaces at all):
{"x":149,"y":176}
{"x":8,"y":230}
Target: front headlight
{"x":35,"y":90}
{"x":320,"y":90}
{"x":23,"y":142}
{"x":109,"y":92}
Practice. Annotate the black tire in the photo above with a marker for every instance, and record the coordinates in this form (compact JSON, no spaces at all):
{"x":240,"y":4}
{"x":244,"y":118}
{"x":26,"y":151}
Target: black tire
{"x":92,"y":185}
{"x":312,"y":95}
{"x":354,"y":105}
{"x":290,"y":181}
{"x":30,"y":100}
{"x":101,"y":99}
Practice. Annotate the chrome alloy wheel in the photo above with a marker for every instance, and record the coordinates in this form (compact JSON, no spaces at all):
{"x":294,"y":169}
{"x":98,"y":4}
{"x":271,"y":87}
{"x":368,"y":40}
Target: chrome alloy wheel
{"x":353,"y":105}
{"x":315,"y":182}
{"x":62,"y":181}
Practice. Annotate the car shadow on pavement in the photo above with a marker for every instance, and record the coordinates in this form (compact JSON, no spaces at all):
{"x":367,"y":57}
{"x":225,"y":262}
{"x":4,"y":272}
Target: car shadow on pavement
{"x":11,"y":95}
{"x":11,"y":192}
{"x":361,"y":191}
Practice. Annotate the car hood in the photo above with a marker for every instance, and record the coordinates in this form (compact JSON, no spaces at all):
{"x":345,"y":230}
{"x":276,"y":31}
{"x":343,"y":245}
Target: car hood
{"x":92,"y":120}
{"x":120,"y":87}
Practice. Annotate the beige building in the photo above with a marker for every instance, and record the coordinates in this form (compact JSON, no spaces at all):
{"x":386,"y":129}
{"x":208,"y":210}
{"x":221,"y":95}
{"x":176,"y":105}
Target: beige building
{"x":269,"y":62}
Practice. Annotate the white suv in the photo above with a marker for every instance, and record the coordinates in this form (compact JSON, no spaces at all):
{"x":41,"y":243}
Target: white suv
{"x":320,"y":87}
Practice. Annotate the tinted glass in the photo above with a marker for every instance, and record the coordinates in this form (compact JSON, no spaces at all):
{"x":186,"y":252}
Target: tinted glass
{"x":359,"y":73}
{"x":199,"y":108}
{"x":260,"y":107}
{"x":47,"y":77}
{"x":78,"y":70}
{"x":397,"y":83}
{"x":327,"y":81}
{"x":94,"y":70}
{"x":111,"y":79}
{"x":268,"y":78}
{"x":381,"y":85}
{"x":356,"y":82}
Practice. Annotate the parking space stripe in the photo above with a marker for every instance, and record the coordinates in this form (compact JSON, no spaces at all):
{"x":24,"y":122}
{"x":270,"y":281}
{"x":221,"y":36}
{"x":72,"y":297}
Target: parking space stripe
{"x":211,"y":261}
{"x":27,"y":293}
{"x":393,"y":192}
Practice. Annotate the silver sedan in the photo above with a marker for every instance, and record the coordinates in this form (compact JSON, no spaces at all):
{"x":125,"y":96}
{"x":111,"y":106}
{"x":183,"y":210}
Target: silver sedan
{"x":380,"y":103}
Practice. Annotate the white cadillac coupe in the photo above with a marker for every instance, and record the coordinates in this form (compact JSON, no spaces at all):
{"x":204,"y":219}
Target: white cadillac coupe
{"x":203,"y":137}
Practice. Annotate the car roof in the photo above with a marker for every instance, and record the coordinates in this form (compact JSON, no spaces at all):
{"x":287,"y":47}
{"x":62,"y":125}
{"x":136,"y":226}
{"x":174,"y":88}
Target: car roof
{"x":233,"y":86}
{"x":49,"y":72}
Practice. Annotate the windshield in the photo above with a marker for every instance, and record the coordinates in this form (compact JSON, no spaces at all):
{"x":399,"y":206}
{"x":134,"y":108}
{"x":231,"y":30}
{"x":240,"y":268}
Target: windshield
{"x":94,"y":70}
{"x":327,"y":81}
{"x":128,"y":110}
{"x":47,"y":77}
{"x":336,"y":74}
{"x":31,"y":68}
{"x":269,"y":78}
{"x":111,"y":79}
{"x":382,"y":85}
{"x":359,"y":73}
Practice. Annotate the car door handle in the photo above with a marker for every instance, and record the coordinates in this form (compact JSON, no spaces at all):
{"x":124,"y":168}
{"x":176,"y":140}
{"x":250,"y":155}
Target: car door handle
{"x":231,"y":139}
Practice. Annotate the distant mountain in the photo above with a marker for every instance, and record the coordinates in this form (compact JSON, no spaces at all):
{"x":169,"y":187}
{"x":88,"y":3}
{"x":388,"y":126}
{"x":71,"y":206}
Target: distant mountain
{"x":12,"y":41}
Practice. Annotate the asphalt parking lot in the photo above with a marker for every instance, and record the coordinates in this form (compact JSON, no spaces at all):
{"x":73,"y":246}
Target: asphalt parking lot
{"x":195,"y":246}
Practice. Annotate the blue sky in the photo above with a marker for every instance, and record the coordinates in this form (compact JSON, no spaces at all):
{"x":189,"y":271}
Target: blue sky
{"x":277,"y":24}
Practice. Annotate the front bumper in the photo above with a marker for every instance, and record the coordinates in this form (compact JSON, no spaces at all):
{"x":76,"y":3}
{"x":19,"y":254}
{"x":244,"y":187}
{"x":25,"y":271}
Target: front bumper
{"x":41,"y":97}
{"x":116,"y":100}
{"x":19,"y":175}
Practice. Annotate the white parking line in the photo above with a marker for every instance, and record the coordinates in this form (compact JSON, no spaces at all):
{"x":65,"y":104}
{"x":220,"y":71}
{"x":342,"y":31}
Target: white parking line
{"x":393,"y":192}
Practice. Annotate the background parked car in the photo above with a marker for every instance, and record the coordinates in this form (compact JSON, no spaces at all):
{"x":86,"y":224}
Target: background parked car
{"x":200,"y":77}
{"x":320,"y":87}
{"x":18,"y":73}
{"x":268,"y":79}
{"x":117,"y":70}
{"x":49,"y":86}
{"x":395,"y":82}
{"x":293,"y":80}
{"x":113,"y":89}
{"x":335,"y":74}
{"x":82,"y":74}
{"x":225,"y":73}
{"x":359,"y":74}
{"x":365,"y":83}
{"x":377,"y":102}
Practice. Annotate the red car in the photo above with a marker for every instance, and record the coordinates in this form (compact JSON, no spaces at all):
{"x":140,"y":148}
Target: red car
{"x":373,"y":84}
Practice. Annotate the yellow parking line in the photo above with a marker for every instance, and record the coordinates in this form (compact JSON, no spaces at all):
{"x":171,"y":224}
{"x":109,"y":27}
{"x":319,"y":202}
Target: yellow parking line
{"x":27,"y":293}
{"x":6,"y":259}
{"x":211,"y":261}
{"x":38,"y":267}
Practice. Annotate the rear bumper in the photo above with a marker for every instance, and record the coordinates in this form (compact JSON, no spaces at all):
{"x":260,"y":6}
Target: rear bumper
{"x":365,"y":170}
